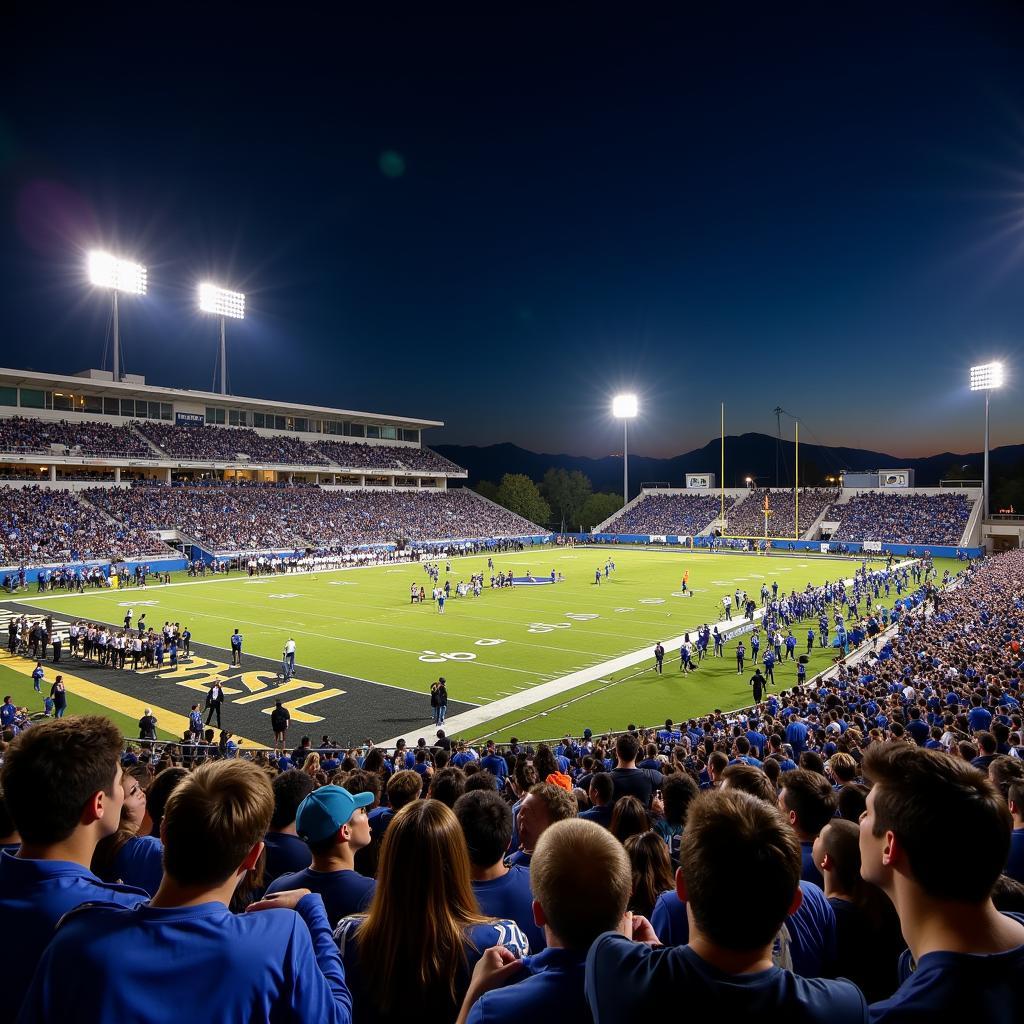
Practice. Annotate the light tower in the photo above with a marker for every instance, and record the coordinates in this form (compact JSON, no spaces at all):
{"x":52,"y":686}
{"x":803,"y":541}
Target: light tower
{"x":987,"y":378}
{"x":223,"y":303}
{"x":624,"y":407}
{"x":107,"y":271}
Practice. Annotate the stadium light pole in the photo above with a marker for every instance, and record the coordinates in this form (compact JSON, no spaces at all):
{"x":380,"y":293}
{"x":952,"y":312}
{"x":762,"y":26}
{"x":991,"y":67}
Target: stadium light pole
{"x":107,"y":271}
{"x":987,"y":378}
{"x":223,"y":303}
{"x":624,"y":407}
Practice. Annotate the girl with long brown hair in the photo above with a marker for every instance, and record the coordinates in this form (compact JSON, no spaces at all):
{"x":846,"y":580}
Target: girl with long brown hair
{"x":423,"y":934}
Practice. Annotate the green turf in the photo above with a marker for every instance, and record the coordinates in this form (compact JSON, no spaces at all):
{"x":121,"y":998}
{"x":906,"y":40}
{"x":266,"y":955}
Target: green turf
{"x":20,"y":688}
{"x":361,"y":623}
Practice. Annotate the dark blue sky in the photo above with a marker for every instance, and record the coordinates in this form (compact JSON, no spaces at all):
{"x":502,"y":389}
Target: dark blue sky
{"x":820,"y":207}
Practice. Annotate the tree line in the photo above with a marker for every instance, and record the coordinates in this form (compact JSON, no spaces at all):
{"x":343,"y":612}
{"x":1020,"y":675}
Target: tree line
{"x":563,"y":501}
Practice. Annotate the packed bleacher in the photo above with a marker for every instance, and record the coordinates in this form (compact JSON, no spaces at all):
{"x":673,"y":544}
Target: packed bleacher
{"x":41,"y":526}
{"x":387,"y":458}
{"x":746,"y":518}
{"x":24,"y":435}
{"x":257,"y":517}
{"x":683,"y":515}
{"x":848,"y":851}
{"x":903,"y":518}
{"x":209,"y":443}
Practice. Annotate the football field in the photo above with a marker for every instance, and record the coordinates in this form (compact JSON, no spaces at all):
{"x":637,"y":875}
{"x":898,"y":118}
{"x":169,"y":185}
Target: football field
{"x":529,"y":660}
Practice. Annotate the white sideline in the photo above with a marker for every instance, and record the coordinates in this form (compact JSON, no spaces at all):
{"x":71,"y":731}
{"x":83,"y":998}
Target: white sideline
{"x":495,"y":709}
{"x":489,"y":712}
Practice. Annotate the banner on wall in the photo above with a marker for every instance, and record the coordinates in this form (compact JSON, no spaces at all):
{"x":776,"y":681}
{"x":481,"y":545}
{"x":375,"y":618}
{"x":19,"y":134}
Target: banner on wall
{"x":189,"y":419}
{"x":895,"y":479}
{"x":824,"y":549}
{"x":655,"y":539}
{"x":700,"y":481}
{"x":872,"y":545}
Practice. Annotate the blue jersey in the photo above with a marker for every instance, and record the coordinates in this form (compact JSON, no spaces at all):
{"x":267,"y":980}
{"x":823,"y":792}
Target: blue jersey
{"x":510,"y":897}
{"x":812,"y":929}
{"x":956,"y":986}
{"x":343,"y":892}
{"x":34,"y":896}
{"x":631,"y":981}
{"x":549,"y":987}
{"x":139,"y":863}
{"x":110,"y":964}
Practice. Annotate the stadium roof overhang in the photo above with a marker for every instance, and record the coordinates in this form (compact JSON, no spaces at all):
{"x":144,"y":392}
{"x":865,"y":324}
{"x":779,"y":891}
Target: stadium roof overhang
{"x":91,"y":383}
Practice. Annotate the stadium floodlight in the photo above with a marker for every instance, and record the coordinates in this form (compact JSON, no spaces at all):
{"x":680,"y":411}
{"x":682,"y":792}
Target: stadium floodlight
{"x":625,"y":408}
{"x":108,"y":271}
{"x":223,"y":303}
{"x":987,"y":377}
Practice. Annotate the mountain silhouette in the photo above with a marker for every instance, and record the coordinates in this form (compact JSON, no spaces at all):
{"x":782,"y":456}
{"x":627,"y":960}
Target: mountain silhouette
{"x":746,"y":455}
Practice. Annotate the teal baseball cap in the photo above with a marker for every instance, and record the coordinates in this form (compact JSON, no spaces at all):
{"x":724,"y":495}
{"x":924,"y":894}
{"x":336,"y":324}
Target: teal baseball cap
{"x":325,"y":810}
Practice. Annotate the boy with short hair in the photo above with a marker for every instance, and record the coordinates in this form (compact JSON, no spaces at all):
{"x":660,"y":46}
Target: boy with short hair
{"x":108,"y":964}
{"x":62,"y":786}
{"x":581,"y":882}
{"x":934,"y":838}
{"x":732,"y":840}
{"x":332,"y":822}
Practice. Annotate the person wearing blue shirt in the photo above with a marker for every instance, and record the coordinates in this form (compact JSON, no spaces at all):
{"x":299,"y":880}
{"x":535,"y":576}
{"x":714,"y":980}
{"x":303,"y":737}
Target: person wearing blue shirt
{"x":934,"y":838}
{"x":979,"y":719}
{"x":333,"y":824}
{"x":286,"y":852}
{"x":581,"y":884}
{"x":8,"y":713}
{"x":726,"y":971}
{"x":37,"y":677}
{"x":495,"y":764}
{"x":796,"y":735}
{"x":602,"y":800}
{"x":236,"y":648}
{"x":809,"y":802}
{"x":275,"y":963}
{"x":502,"y":892}
{"x":61,"y":782}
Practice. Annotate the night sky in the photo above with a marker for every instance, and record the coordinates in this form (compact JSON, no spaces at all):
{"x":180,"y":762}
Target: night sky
{"x":501,"y":221}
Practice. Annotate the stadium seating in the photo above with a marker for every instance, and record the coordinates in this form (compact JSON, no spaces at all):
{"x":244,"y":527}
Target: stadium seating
{"x":903,"y":518}
{"x":257,"y":517}
{"x":746,"y":519}
{"x":386,"y":458}
{"x":23,"y":435}
{"x":41,"y":526}
{"x":683,"y":515}
{"x":225,"y":444}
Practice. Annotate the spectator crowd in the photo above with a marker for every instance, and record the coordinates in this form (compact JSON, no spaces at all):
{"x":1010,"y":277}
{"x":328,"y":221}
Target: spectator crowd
{"x":42,"y":526}
{"x":665,"y":515}
{"x":268,"y":516}
{"x":746,"y":517}
{"x":848,"y":850}
{"x":22,"y":434}
{"x":903,"y":518}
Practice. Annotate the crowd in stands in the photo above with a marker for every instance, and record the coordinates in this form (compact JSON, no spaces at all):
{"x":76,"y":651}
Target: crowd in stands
{"x":225,"y":444}
{"x":86,"y":437}
{"x":903,"y":518}
{"x":683,"y":515}
{"x":259,"y":517}
{"x":850,"y":850}
{"x":40,"y":526}
{"x":746,"y":518}
{"x":386,"y":458}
